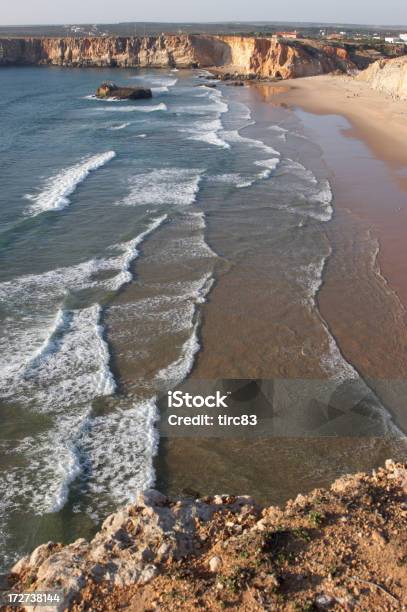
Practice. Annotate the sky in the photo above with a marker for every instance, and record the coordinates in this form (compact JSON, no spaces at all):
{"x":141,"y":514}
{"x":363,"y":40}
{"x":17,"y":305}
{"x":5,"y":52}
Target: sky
{"x":104,"y":11}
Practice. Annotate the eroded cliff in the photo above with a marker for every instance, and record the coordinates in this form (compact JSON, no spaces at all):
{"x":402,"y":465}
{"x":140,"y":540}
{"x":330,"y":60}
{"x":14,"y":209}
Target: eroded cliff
{"x":388,"y":76}
{"x":271,"y":58}
{"x":258,"y":57}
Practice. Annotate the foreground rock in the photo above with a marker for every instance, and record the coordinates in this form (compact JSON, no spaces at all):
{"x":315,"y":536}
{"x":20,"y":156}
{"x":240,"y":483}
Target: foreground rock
{"x":388,"y":76}
{"x":341,"y":549}
{"x":110,"y":90}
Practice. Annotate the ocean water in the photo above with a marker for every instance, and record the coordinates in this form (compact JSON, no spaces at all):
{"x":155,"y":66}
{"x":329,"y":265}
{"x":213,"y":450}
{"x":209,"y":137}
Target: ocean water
{"x":118,"y":219}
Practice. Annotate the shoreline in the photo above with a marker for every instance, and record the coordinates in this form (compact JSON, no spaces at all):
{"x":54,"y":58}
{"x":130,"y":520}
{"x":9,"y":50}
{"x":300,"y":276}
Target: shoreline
{"x":360,"y":132}
{"x":375,"y":117}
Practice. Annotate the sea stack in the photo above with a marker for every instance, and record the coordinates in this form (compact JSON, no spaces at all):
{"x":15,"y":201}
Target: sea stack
{"x":110,"y":90}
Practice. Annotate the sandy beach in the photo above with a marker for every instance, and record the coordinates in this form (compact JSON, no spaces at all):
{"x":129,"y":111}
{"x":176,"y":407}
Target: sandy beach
{"x":362,"y":134}
{"x":362,"y":298}
{"x":374,"y":116}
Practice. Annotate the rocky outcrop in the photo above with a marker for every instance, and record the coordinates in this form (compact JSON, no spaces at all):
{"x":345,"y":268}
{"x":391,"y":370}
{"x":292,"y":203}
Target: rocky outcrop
{"x":271,"y":58}
{"x":110,"y":90}
{"x":388,"y":76}
{"x":343,"y":548}
{"x":130,"y":546}
{"x":249,"y":56}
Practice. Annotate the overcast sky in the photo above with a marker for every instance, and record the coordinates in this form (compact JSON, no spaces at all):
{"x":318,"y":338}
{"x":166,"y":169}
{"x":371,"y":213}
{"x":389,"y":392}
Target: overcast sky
{"x":98,"y":11}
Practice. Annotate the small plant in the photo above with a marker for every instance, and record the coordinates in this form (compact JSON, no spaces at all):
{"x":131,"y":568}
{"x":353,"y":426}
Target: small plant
{"x":333,"y":571}
{"x":316,"y":518}
{"x":302,"y":534}
{"x":284,"y":557}
{"x":238,"y":580}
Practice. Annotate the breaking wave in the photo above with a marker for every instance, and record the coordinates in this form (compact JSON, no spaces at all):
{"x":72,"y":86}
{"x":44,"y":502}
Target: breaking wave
{"x":177,"y":186}
{"x":57,"y":189}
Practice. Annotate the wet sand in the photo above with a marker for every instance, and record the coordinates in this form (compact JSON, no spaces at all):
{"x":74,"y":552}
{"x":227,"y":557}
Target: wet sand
{"x":362,"y":300}
{"x":381,"y":123}
{"x":369,"y":164}
{"x":376,"y":118}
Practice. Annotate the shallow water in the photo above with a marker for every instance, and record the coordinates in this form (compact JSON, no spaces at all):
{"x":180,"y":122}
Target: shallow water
{"x":142,"y":243}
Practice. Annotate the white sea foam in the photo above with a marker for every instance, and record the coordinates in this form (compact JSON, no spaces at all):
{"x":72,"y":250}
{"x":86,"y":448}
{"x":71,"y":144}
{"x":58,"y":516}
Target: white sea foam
{"x":233,"y":136}
{"x":278,"y":128}
{"x":134,"y":108}
{"x":158,"y":91}
{"x":322,"y":196}
{"x":332,"y":361}
{"x":313,"y":197}
{"x":25,"y":340}
{"x":129,"y":253}
{"x":311,"y":278}
{"x":95,"y":98}
{"x":190,"y":247}
{"x":71,"y":366}
{"x":297,"y":169}
{"x":128,"y":437}
{"x":60,"y":281}
{"x":269,"y":165}
{"x":57,"y":189}
{"x":281,"y":132}
{"x":50,"y":464}
{"x":231,"y":178}
{"x":117,"y":452}
{"x":61,"y":378}
{"x":157,"y":81}
{"x":120,"y":127}
{"x":218,"y":106}
{"x":70,"y":370}
{"x":207,"y":131}
{"x":173,"y":311}
{"x":179,"y":369}
{"x":177,"y":186}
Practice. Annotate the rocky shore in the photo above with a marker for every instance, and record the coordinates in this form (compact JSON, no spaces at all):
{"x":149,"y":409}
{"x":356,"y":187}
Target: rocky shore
{"x":340,"y":549}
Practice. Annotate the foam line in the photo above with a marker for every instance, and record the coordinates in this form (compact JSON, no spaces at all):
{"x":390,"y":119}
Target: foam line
{"x":57,"y":189}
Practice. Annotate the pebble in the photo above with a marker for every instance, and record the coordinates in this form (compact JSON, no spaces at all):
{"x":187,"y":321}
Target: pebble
{"x":215,"y":564}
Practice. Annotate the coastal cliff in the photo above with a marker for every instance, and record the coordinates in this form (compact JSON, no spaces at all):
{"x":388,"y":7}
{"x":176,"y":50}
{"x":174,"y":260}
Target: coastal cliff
{"x":388,"y":76}
{"x":343,"y":548}
{"x":271,"y":58}
{"x":250,"y":56}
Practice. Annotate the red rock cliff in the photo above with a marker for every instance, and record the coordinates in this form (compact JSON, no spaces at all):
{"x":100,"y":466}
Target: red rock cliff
{"x":262,"y":57}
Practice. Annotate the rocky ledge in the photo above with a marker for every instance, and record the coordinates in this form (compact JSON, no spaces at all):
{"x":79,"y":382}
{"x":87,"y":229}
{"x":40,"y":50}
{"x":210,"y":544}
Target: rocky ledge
{"x":111,"y":90}
{"x":340,"y":549}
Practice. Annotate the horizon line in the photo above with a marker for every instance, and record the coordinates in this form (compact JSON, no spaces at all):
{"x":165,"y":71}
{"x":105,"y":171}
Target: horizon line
{"x":206,"y":22}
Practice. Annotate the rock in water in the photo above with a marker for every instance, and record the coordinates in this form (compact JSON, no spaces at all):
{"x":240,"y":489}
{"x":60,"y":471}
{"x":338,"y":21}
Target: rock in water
{"x":110,"y":90}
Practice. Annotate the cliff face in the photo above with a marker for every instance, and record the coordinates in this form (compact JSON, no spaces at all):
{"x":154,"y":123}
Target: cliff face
{"x":388,"y":76}
{"x":158,"y":51}
{"x":268,"y":57}
{"x":261,"y":57}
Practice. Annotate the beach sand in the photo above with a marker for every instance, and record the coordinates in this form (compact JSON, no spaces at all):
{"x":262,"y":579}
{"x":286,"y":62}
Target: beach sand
{"x":370,"y":183}
{"x":375,"y":117}
{"x":363,"y":298}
